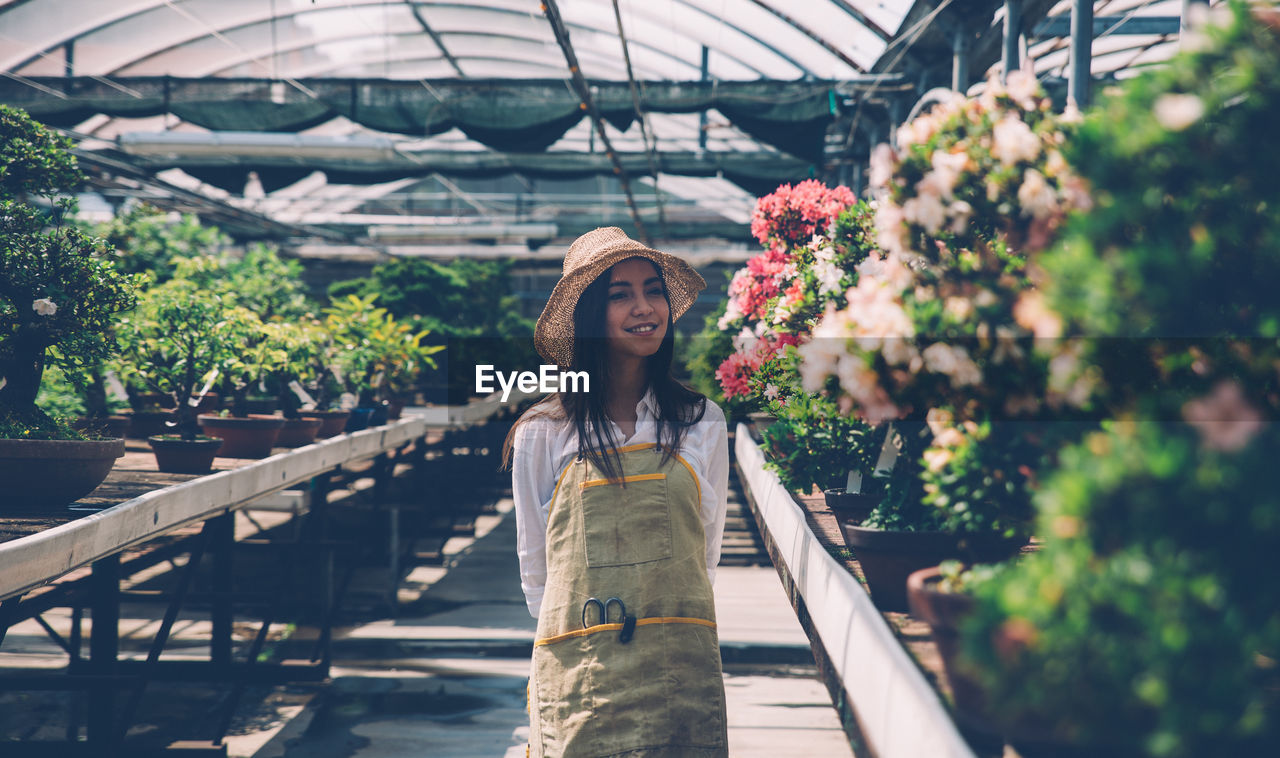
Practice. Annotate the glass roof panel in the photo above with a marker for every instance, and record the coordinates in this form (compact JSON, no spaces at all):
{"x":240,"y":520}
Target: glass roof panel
{"x":842,"y":30}
{"x":134,"y":37}
{"x":888,"y":14}
{"x":766,"y":26}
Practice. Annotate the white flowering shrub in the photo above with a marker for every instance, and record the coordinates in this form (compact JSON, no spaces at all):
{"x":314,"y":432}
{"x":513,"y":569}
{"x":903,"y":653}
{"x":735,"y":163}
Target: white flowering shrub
{"x":947,"y":322}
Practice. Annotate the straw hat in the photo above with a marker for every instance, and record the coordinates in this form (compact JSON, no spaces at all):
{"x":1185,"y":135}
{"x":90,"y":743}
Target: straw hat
{"x":588,"y":257}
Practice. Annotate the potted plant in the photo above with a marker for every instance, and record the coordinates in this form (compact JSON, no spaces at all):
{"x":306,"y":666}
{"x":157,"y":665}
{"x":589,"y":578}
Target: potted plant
{"x":1148,"y":625}
{"x":940,"y":336}
{"x":940,"y":596}
{"x":376,"y":348}
{"x":321,"y":380}
{"x":262,"y":351}
{"x":176,"y":342}
{"x":302,"y":344}
{"x":58,"y":297}
{"x":811,"y":445}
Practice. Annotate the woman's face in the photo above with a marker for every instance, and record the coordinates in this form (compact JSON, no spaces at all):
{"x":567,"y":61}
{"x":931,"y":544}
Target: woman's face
{"x":636,"y":311}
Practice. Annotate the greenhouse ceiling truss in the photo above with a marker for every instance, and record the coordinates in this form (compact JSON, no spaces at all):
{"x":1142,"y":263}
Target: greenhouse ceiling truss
{"x":758,"y":92}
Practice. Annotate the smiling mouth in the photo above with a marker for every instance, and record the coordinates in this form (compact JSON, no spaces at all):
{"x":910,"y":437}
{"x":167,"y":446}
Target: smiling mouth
{"x":643,"y":329}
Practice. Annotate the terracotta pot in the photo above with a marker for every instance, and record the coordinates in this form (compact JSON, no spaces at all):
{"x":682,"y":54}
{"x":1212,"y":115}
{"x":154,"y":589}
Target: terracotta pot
{"x":359,"y":419}
{"x":850,"y":506}
{"x":244,"y":437}
{"x":760,"y":421}
{"x":265,"y":405}
{"x":110,"y":427}
{"x":175,"y":455}
{"x":945,"y":612}
{"x":888,"y":558}
{"x":145,"y":424}
{"x":331,"y":422}
{"x":50,"y":474}
{"x":150,"y":401}
{"x":297,"y":432}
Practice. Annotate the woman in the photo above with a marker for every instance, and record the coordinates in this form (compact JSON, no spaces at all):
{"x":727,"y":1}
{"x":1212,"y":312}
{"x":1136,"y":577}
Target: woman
{"x":620,"y":506}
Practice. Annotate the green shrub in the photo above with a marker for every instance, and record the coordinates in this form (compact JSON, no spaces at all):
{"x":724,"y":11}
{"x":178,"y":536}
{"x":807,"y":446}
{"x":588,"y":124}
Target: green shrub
{"x":1148,"y":624}
{"x":59,"y":295}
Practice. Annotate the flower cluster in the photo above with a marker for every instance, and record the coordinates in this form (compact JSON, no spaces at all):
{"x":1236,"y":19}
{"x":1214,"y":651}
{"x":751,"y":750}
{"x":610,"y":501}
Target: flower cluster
{"x":780,"y":293}
{"x":949,"y":319}
{"x":789,"y":216}
{"x":973,"y":169}
{"x":751,"y":351}
{"x":753,"y":286}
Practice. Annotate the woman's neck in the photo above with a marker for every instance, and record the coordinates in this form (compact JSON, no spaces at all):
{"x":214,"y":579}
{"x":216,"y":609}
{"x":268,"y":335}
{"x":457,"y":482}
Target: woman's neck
{"x":627,"y":385}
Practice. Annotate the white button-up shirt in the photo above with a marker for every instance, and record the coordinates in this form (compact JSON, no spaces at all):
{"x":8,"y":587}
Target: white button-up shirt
{"x":544,"y":446}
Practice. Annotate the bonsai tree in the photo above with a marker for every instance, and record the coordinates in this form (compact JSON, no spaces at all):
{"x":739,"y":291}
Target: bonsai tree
{"x":305,"y":346}
{"x":176,"y":342}
{"x":59,"y":293}
{"x":467,"y":304}
{"x":377,"y":351}
{"x":262,"y":353}
{"x":146,"y":240}
{"x":259,"y":280}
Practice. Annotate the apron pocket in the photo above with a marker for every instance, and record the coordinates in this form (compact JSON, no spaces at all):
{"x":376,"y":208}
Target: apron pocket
{"x":626,"y":523}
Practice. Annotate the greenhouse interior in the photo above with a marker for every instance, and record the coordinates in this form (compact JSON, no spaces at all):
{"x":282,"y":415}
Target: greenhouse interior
{"x":639,"y":378}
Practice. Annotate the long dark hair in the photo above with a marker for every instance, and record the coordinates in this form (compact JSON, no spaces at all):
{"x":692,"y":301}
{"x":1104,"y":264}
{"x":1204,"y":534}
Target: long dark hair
{"x":679,"y":407}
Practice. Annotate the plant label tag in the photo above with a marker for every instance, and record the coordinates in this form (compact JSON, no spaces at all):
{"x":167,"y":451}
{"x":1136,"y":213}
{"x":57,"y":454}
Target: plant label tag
{"x":115,"y":387}
{"x":302,"y":395}
{"x":208,"y":383}
{"x":853,"y":485}
{"x":888,"y":452}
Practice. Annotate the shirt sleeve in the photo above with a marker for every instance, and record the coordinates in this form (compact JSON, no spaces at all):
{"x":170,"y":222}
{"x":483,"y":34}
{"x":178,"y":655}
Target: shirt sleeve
{"x":532,"y":485}
{"x":715,"y":501}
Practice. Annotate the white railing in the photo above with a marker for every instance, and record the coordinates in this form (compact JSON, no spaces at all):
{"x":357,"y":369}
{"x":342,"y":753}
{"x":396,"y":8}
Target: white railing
{"x":37,"y":559}
{"x":898,"y":712}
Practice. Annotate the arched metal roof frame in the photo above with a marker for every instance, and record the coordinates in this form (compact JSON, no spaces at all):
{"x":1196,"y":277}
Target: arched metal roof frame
{"x":767,"y":41}
{"x":267,"y":20}
{"x":144,"y":6}
{"x":334,"y":69}
{"x":250,"y":56}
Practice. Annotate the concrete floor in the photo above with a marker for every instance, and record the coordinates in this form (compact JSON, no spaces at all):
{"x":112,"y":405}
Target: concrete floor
{"x":450,"y":681}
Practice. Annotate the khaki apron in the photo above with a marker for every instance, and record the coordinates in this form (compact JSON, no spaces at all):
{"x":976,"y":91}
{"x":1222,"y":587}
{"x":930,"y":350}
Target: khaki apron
{"x":661,"y":694}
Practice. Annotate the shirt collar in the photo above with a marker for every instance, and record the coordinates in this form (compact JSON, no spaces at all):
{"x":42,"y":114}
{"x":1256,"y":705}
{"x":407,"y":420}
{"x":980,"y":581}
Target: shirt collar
{"x":648,"y":405}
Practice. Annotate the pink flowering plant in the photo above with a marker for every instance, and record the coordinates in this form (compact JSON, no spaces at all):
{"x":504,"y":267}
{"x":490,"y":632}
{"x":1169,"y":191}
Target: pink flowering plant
{"x":791,"y":215}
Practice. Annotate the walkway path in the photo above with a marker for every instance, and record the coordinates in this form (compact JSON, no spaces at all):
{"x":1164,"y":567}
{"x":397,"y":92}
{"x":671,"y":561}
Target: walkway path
{"x":447,"y":679}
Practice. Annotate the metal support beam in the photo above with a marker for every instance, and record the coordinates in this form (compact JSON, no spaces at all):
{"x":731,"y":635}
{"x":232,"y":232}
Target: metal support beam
{"x":223,"y":536}
{"x":1081,"y":52}
{"x":435,"y":37}
{"x":104,"y":649}
{"x":1186,"y":20}
{"x":960,"y":58}
{"x":558,"y":28}
{"x":166,"y":626}
{"x":650,"y":141}
{"x":702,"y":114}
{"x":1058,"y":26}
{"x":1011,"y":59}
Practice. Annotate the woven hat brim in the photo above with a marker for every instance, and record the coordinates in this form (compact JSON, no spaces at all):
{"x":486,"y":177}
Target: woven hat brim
{"x":553,"y":335}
